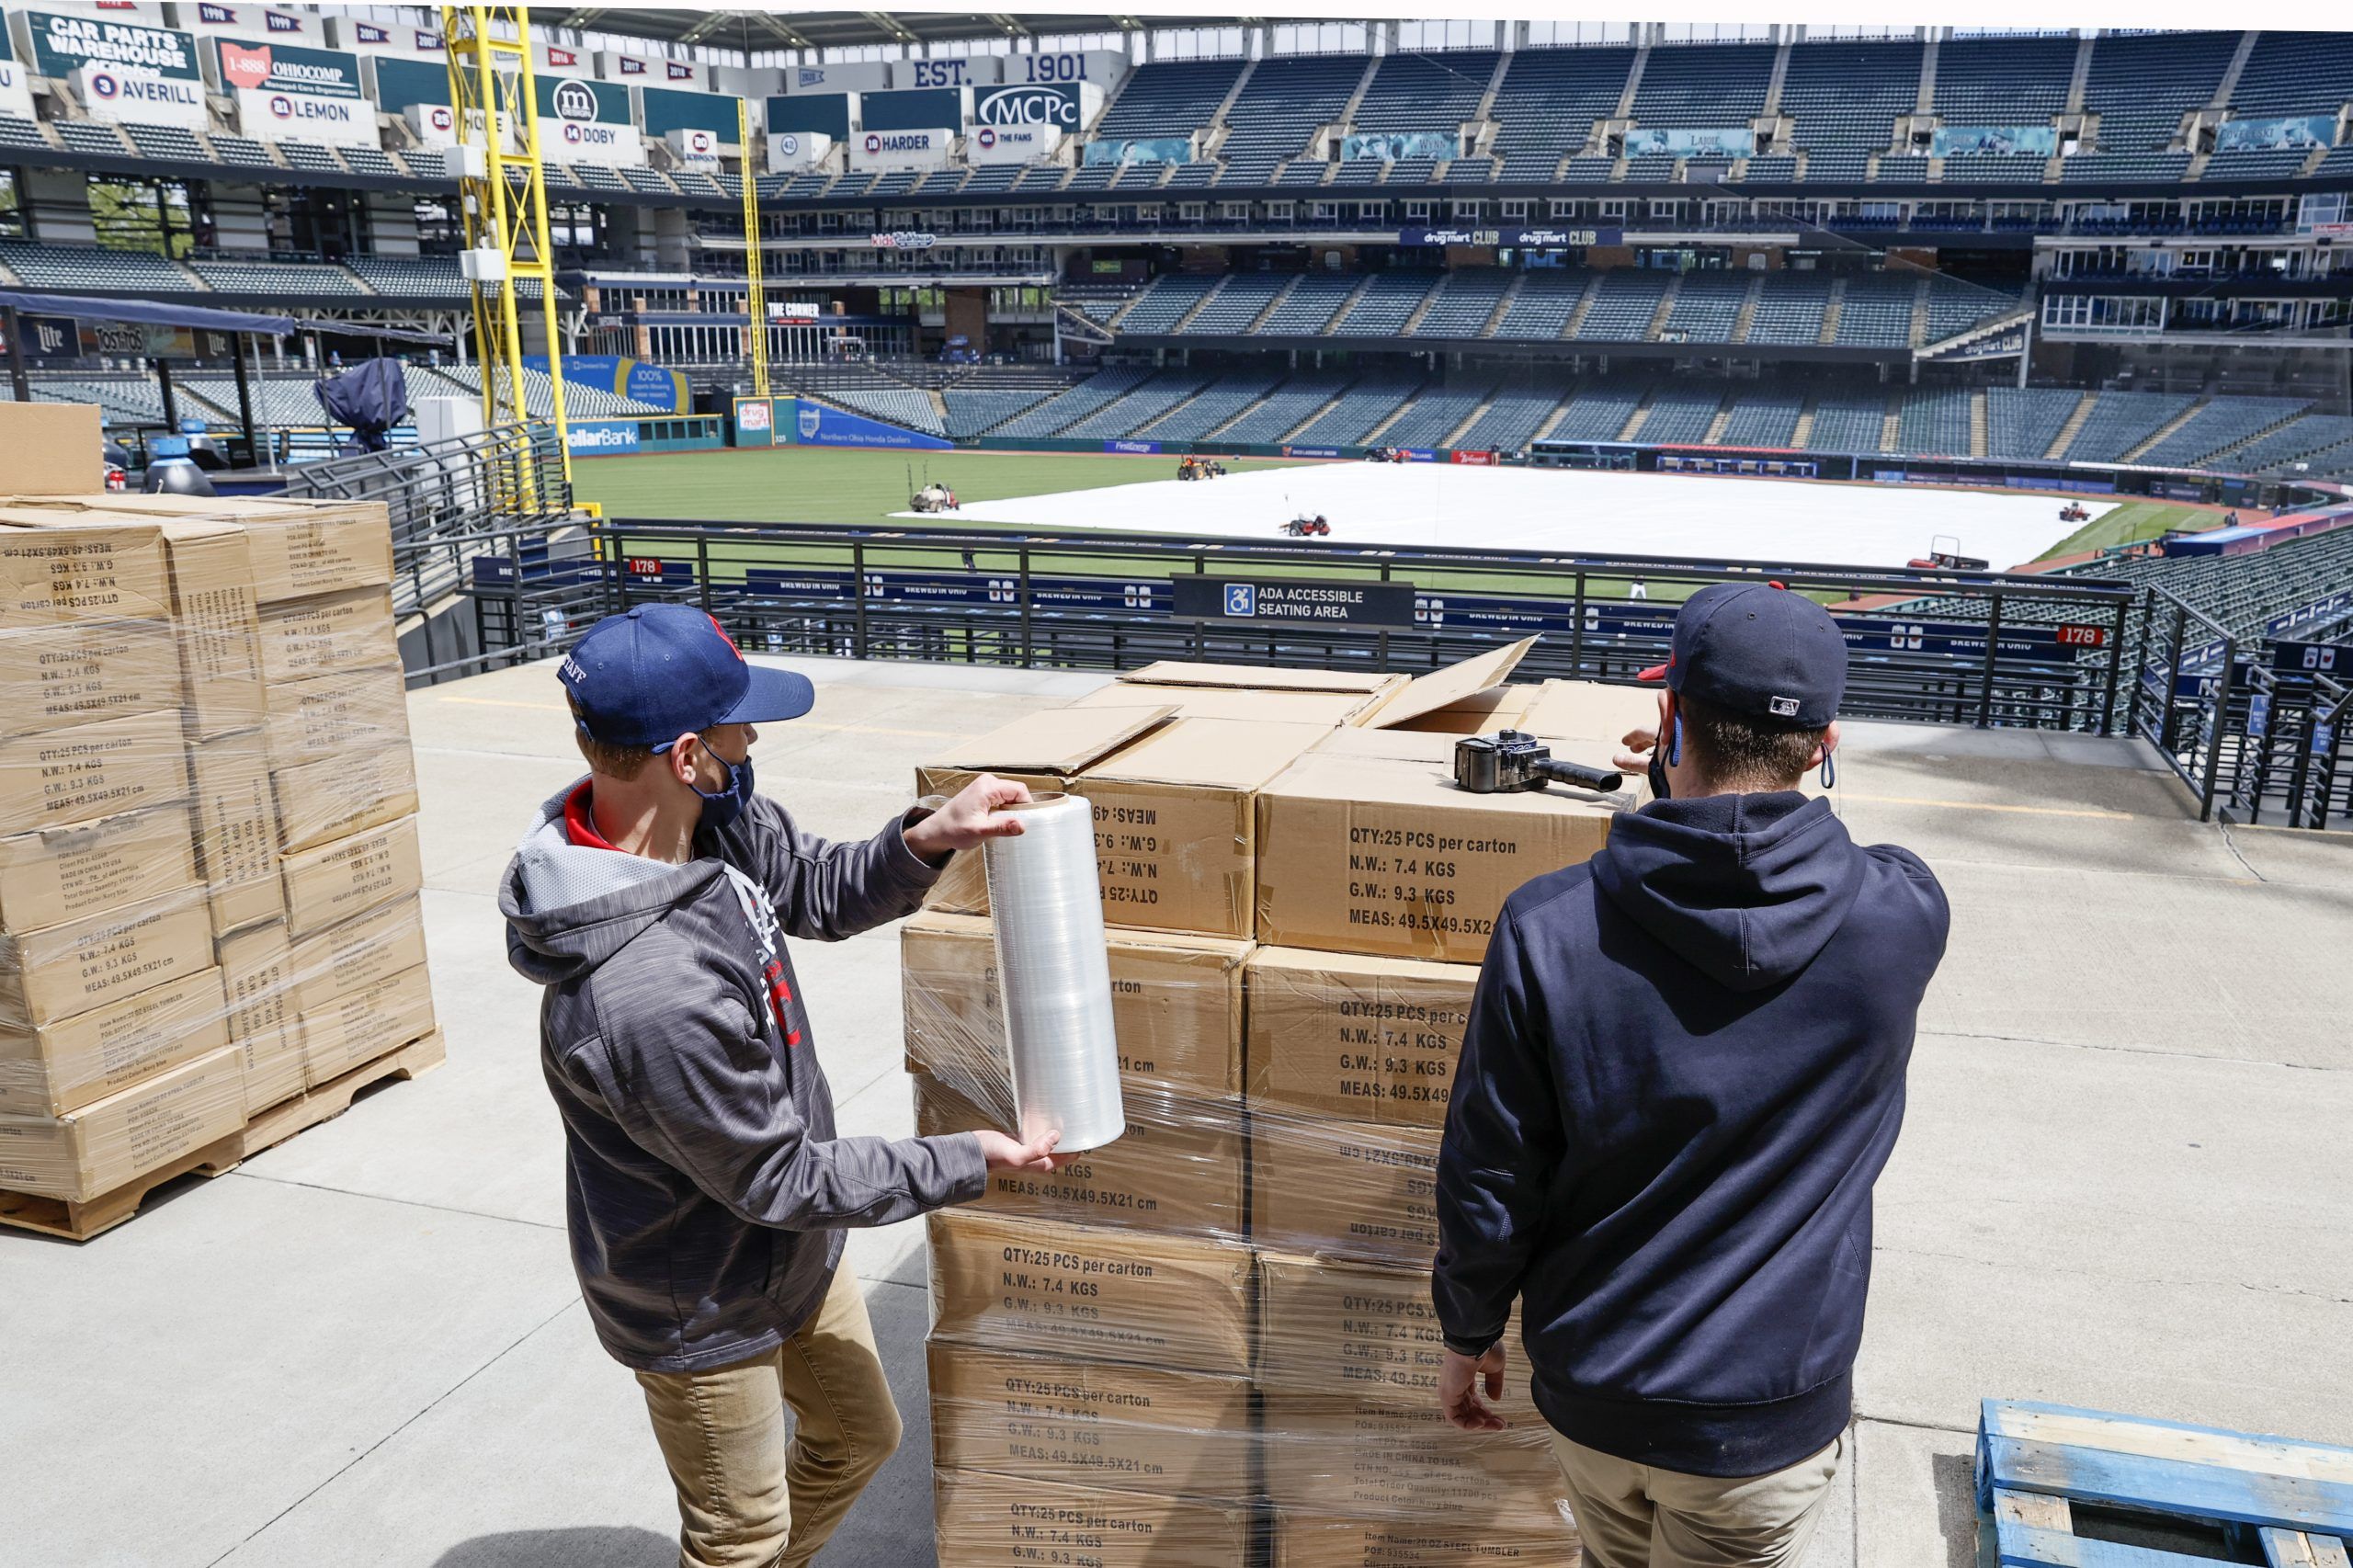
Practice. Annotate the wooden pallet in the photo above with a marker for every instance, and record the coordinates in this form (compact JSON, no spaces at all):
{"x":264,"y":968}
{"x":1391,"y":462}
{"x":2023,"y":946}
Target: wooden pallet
{"x":79,"y":1221}
{"x":2045,"y":1472}
{"x":332,"y":1099}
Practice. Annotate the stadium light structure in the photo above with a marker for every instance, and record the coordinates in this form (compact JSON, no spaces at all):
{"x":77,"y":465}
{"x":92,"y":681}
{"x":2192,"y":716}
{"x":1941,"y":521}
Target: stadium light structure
{"x":502,"y":191}
{"x":756,"y":298}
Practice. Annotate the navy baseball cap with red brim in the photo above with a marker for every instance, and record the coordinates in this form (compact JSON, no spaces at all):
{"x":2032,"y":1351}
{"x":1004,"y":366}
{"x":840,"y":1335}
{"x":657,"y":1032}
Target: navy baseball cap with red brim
{"x":1758,"y":650}
{"x":649,"y":674}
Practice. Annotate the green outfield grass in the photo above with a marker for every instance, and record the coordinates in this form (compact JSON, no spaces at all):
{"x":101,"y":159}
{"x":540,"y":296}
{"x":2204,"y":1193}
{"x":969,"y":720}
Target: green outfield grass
{"x":2135,"y":522}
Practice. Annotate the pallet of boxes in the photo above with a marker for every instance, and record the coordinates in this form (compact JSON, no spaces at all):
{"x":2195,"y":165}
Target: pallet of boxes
{"x":1211,"y":1345}
{"x":209,"y":929}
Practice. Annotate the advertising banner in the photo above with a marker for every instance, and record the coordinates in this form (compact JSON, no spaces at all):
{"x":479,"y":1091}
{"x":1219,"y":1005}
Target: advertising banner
{"x":16,"y":89}
{"x":661,"y":110}
{"x":256,"y":21}
{"x":974,"y":71}
{"x":2038,"y":141}
{"x":1012,"y":144}
{"x":901,"y":149}
{"x":1474,"y":459}
{"x":865,"y":76}
{"x":1528,"y":236}
{"x":1068,"y":106}
{"x":123,"y":72}
{"x":696,"y":149}
{"x":387,"y":38}
{"x":637,"y":71}
{"x":755,"y":422}
{"x":1142,"y":150}
{"x":814,"y":425}
{"x":600,"y":438}
{"x":287,"y":93}
{"x":2283,"y":135}
{"x":588,"y":122}
{"x":1131,"y":449}
{"x":791,"y":151}
{"x":1682,"y":141}
{"x":623,"y":376}
{"x":1397,"y":146}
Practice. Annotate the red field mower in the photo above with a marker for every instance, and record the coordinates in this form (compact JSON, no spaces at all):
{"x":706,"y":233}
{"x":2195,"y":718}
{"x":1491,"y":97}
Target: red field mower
{"x":1307,"y":527}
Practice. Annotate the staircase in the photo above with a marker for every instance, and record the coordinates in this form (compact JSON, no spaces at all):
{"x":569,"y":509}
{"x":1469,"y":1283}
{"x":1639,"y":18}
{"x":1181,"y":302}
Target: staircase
{"x":1625,"y":108}
{"x":1321,"y":410}
{"x":1199,"y":305}
{"x":1747,"y":317}
{"x":1274,"y":304}
{"x":1163,"y":417}
{"x":1924,"y":102}
{"x":2230,"y":82}
{"x":1917,"y":333}
{"x":1636,"y":420}
{"x":1716,"y":427}
{"x":1494,"y":317}
{"x":1372,"y":436}
{"x":1803,"y":431}
{"x":1476,"y":415}
{"x":1552,"y":421}
{"x":1225,"y":106}
{"x":1356,"y":99}
{"x":2067,"y":432}
{"x":2076,"y":83}
{"x":1665,"y":308}
{"x":1980,"y":437}
{"x":1414,"y":323}
{"x":2167,"y":428}
{"x":1362,"y":289}
{"x":2219,"y":453}
{"x":1890,"y":425}
{"x":1576,"y":317}
{"x":1831,"y":312}
{"x":1772,"y":109}
{"x":1486,"y":111}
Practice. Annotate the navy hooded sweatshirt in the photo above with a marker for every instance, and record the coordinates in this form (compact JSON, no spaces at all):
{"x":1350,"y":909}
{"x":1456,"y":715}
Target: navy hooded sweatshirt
{"x":1683,"y":1072}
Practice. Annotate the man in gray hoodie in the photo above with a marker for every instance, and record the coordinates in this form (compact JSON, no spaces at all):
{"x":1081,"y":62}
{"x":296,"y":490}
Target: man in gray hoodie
{"x":707,"y":1192}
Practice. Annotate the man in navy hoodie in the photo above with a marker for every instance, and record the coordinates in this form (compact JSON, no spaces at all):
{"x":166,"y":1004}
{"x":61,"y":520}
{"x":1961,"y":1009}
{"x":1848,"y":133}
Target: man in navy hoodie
{"x":1683,"y":1072}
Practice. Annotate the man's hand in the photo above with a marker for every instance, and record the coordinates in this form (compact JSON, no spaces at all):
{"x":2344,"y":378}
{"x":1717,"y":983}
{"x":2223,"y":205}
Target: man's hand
{"x":1004,"y":1153}
{"x":1458,"y":1389}
{"x":1639,"y":744}
{"x":975,"y":815}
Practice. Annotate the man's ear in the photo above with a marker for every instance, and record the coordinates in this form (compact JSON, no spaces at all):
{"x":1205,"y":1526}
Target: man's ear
{"x":681,"y":757}
{"x":1825,"y":746}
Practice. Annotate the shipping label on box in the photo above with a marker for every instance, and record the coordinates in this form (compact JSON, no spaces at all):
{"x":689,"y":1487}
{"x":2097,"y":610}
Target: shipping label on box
{"x":273,"y":1063}
{"x":358,"y":953}
{"x":337,"y":796}
{"x":1365,"y":1460}
{"x":336,"y":716}
{"x":1176,"y":1170}
{"x":301,"y":638}
{"x":351,"y":876}
{"x":52,"y":677}
{"x":217,"y":624}
{"x":359,"y":1026}
{"x":298,"y":547}
{"x":1176,"y":838}
{"x":91,"y":771}
{"x":1080,"y":1422}
{"x":1344,"y":1188}
{"x":1309,"y":1540}
{"x":257,"y":973}
{"x":63,"y":1066}
{"x":1098,"y":1294}
{"x":1176,"y":1006}
{"x":1382,"y":854}
{"x":60,"y":873}
{"x":95,"y":959}
{"x":1364,"y":1039}
{"x":97,"y":570}
{"x":1371,"y":1334}
{"x":237,"y":830}
{"x":998,"y":1521}
{"x":110,"y":1142}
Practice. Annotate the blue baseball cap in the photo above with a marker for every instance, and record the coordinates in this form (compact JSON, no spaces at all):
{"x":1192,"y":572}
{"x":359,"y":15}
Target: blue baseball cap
{"x":1758,"y":650}
{"x":649,"y":674}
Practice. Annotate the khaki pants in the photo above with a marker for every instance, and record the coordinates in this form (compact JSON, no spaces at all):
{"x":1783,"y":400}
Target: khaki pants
{"x":748,"y":1497}
{"x":1632,"y":1516}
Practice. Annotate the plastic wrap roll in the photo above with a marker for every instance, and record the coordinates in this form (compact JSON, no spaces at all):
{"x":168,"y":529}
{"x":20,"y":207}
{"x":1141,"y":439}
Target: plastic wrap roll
{"x":1055,"y":975}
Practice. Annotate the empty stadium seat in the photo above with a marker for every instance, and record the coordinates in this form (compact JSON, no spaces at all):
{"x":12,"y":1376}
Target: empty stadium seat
{"x":1433,"y":415}
{"x":1624,"y":300}
{"x":1680,"y":416}
{"x":1935,"y":421}
{"x":2122,"y":420}
{"x":2022,"y":421}
{"x":1544,"y":304}
{"x":1310,"y":305}
{"x":1847,"y":424}
{"x":1290,"y":406}
{"x":1762,"y":419}
{"x":1464,"y":301}
{"x":1549,"y":101}
{"x":91,"y":269}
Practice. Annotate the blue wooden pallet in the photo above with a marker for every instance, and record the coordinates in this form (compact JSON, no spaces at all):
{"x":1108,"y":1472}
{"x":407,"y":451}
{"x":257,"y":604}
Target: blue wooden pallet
{"x":2035,"y":1462}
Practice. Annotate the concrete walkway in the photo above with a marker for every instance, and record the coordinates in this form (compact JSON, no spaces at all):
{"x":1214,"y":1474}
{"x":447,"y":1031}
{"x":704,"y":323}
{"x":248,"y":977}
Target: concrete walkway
{"x":2122,"y":1183}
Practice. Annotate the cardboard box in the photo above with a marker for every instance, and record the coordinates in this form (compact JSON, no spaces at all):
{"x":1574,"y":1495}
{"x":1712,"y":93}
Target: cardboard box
{"x":55,"y":1068}
{"x":53,"y":677}
{"x":1366,"y":1462}
{"x":237,"y":830}
{"x":1341,"y":1035}
{"x":1337,"y":1329}
{"x":299,"y":548}
{"x":337,"y":796}
{"x":1592,"y":718}
{"x":1176,"y":1006}
{"x":98,"y":958}
{"x":1079,"y":1423}
{"x":91,"y":771}
{"x":51,"y":448}
{"x":1369,"y":684}
{"x":1177,"y":1170}
{"x":1091,"y":1294}
{"x":363,"y":952}
{"x":110,"y":1142}
{"x":1480,"y":713}
{"x":301,"y":638}
{"x":1284,"y":705}
{"x":1311,"y":1541}
{"x":105,"y":568}
{"x":1444,"y":687}
{"x":62,"y":873}
{"x":996,"y":1521}
{"x":1368,"y":851}
{"x":1044,"y":751}
{"x":336,"y":715}
{"x":1343,"y":1190}
{"x":257,"y":973}
{"x":273,"y":1064}
{"x":351,"y":876}
{"x":1176,"y":828}
{"x":361,"y":1025}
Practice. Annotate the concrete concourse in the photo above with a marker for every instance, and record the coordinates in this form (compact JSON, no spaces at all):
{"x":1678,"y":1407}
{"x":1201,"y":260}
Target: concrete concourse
{"x":2121,"y":1184}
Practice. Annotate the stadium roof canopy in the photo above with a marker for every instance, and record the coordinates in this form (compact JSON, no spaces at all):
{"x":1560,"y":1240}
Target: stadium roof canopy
{"x":847,"y":29}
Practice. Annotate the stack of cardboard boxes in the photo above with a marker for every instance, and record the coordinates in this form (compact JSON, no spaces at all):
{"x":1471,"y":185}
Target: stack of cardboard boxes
{"x":210,"y":933}
{"x":1211,"y":1343}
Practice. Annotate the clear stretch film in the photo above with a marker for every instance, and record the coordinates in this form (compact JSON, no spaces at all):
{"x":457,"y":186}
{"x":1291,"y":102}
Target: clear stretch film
{"x":1056,"y":974}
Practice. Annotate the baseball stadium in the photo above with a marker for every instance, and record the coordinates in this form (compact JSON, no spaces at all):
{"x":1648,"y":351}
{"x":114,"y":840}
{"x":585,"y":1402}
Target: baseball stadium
{"x":1302,"y":439}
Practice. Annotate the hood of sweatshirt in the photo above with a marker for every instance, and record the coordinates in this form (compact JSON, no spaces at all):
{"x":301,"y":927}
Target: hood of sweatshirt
{"x":568,"y":907}
{"x":1745,"y":888}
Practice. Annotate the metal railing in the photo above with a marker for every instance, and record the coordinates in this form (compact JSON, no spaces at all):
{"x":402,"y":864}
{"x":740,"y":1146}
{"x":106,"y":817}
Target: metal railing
{"x":2184,"y":689}
{"x":448,"y":499}
{"x":1999,"y":649}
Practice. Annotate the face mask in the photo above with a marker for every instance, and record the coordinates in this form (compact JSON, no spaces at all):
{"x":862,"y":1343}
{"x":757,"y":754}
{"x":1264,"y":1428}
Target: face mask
{"x":1671,"y":743}
{"x":721,"y":807}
